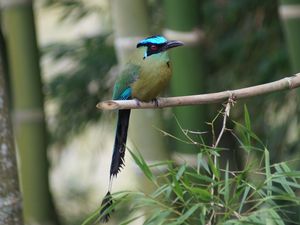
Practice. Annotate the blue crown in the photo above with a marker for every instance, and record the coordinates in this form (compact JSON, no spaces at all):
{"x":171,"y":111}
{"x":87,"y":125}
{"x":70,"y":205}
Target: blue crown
{"x":152,"y":40}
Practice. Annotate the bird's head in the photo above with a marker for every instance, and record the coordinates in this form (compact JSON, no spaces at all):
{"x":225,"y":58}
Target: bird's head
{"x":157,"y":44}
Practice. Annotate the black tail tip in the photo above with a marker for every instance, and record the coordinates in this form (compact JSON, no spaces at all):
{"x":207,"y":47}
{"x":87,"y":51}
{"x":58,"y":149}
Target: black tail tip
{"x":107,"y":202}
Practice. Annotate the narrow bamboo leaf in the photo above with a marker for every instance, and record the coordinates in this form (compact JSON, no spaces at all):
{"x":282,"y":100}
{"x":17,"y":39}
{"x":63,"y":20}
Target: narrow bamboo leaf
{"x":202,"y":163}
{"x":268,"y":172}
{"x":161,"y":163}
{"x":247,"y":124}
{"x":202,"y":215}
{"x":226,"y":187}
{"x":275,"y":190}
{"x":201,"y":193}
{"x":186,"y":215}
{"x":160,"y":190}
{"x":130,"y":220}
{"x":180,"y":171}
{"x":294,"y":175}
{"x":276,"y":218}
{"x":288,"y":172}
{"x":244,"y":129}
{"x":214,"y":168}
{"x":243,"y":201}
{"x":247,"y":118}
{"x":286,"y":183}
{"x":201,"y":177}
{"x":139,"y":160}
{"x":243,"y":145}
{"x":92,"y":218}
{"x":177,"y":189}
{"x":285,"y":167}
{"x":157,"y":218}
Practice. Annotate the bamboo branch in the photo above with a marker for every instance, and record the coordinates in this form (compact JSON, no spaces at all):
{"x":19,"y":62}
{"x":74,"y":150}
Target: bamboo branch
{"x":227,"y":108}
{"x":279,"y":85}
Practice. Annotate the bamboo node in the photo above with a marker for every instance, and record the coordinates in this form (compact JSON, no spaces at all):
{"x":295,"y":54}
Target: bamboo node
{"x":231,"y":96}
{"x":5,"y":4}
{"x":107,"y":105}
{"x":191,"y":38}
{"x":289,"y":81}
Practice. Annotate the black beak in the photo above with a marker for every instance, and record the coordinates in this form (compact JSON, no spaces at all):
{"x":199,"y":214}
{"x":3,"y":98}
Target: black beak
{"x":173,"y":44}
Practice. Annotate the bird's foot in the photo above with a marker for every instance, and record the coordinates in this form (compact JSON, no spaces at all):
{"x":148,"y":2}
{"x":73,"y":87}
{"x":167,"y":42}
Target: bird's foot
{"x":138,"y":103}
{"x":155,"y":101}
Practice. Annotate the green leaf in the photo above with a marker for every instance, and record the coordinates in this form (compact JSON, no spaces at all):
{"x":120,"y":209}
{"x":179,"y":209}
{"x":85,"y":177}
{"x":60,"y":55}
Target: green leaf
{"x":247,"y":124}
{"x":139,"y":160}
{"x":92,"y":218}
{"x":246,"y":191}
{"x":244,"y":131}
{"x":180,"y":171}
{"x":226,"y":187}
{"x":130,"y":220}
{"x":177,"y":188}
{"x":202,"y":163}
{"x":284,"y":168}
{"x":201,"y":193}
{"x":158,"y":217}
{"x":160,"y":190}
{"x":214,"y":168}
{"x":277,"y":218}
{"x":287,"y":184}
{"x":201,"y":177}
{"x":268,"y":172}
{"x":186,"y":215}
{"x":247,"y":118}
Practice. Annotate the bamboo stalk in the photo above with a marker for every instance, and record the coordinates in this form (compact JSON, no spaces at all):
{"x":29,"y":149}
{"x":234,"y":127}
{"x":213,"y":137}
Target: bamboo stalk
{"x":10,"y":195}
{"x":289,"y":11}
{"x":182,"y":22}
{"x":28,"y":112}
{"x":279,"y":85}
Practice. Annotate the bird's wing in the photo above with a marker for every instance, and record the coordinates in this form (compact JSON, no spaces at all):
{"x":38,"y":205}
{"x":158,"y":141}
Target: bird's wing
{"x":129,"y":75}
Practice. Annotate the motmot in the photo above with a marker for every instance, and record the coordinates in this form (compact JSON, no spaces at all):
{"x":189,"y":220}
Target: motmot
{"x":144,"y":76}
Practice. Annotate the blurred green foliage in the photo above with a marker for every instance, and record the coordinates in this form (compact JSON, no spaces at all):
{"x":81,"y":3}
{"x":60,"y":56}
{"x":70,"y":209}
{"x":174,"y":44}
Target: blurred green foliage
{"x":77,"y":90}
{"x":244,"y":42}
{"x":72,"y":9}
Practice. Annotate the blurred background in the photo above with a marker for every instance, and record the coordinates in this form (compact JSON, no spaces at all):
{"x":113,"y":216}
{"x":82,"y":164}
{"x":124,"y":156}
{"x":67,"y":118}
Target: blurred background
{"x":61,"y":58}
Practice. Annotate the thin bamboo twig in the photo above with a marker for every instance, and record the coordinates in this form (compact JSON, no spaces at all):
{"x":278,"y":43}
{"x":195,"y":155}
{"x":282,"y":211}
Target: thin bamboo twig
{"x":230,"y":103}
{"x":279,"y":85}
{"x":226,"y":114}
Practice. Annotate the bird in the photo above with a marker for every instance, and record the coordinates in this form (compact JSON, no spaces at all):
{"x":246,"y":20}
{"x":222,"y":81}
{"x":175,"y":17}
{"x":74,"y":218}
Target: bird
{"x":145,"y":75}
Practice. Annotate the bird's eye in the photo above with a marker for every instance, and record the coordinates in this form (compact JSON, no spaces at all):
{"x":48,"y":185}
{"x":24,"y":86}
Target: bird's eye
{"x":153,"y":47}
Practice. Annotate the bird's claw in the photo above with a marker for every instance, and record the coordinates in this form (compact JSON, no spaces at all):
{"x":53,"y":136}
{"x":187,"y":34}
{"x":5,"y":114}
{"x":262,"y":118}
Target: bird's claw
{"x":138,"y":103}
{"x":155,"y":101}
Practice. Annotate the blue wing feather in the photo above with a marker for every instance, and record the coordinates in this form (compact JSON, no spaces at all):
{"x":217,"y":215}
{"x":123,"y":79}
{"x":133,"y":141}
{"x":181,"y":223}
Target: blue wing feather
{"x":122,"y":89}
{"x":126,"y":94}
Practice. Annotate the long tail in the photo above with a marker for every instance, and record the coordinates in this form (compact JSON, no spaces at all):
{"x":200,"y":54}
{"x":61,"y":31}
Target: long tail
{"x":117,"y":161}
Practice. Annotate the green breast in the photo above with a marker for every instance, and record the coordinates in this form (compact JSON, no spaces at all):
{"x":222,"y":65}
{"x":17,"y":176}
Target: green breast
{"x":155,"y":74}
